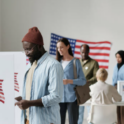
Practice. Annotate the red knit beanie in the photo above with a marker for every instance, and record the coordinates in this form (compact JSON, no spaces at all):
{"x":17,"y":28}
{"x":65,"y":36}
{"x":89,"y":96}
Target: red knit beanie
{"x":33,"y":36}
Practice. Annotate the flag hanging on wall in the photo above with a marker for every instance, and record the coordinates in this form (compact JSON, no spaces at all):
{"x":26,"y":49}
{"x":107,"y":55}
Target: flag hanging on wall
{"x":100,"y":51}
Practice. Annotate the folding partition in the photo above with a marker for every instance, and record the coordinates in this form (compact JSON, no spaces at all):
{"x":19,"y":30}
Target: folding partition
{"x":15,"y":76}
{"x":7,"y":89}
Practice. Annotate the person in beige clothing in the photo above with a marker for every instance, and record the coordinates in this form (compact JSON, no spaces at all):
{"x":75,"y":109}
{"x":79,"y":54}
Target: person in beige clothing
{"x":101,"y":92}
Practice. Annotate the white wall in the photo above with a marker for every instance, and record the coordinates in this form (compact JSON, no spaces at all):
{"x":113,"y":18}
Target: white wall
{"x":50,"y":16}
{"x":0,"y":24}
{"x":92,"y":20}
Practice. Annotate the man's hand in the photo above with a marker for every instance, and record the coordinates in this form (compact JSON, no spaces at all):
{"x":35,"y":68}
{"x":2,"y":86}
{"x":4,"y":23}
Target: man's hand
{"x":18,"y":98}
{"x":88,"y":82}
{"x":67,"y":81}
{"x":23,"y":104}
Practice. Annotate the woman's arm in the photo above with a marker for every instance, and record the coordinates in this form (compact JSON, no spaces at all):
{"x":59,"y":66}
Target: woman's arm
{"x":80,"y":76}
{"x":114,"y":80}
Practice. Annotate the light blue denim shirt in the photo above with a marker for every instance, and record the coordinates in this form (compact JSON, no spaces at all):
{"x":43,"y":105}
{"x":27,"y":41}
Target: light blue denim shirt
{"x":69,"y":93}
{"x":118,"y":75}
{"x":47,"y":84}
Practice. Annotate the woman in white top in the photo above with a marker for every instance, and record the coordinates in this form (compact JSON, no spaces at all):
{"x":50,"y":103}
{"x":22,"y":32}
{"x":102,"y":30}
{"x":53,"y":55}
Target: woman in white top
{"x":69,"y":101}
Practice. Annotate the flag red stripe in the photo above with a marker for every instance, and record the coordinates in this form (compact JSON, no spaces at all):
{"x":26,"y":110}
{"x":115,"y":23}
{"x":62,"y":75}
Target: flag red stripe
{"x":88,"y":42}
{"x":100,"y":60}
{"x":105,"y":67}
{"x":1,"y":90}
{"x":2,"y":93}
{"x":0,"y":86}
{"x":16,"y":90}
{"x":97,"y":48}
{"x":76,"y":52}
{"x":100,"y":48}
{"x":15,"y":80}
{"x":99,"y":54}
{"x":1,"y":80}
{"x":1,"y":101}
{"x":0,"y":83}
{"x":16,"y":83}
{"x":96,"y":54}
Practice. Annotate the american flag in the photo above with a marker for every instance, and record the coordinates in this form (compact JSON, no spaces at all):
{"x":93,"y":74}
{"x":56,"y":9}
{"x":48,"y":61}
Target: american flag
{"x":100,"y":51}
{"x":2,"y":98}
{"x":16,"y":84}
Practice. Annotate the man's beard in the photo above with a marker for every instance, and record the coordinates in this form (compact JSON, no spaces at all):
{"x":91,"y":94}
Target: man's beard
{"x":35,"y":57}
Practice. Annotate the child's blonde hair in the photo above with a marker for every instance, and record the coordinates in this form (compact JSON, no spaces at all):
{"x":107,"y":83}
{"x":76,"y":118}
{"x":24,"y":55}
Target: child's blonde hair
{"x":102,"y":74}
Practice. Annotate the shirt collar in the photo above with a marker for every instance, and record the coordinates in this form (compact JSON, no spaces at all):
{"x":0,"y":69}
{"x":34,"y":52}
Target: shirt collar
{"x":85,"y":60}
{"x":42,"y":59}
{"x":101,"y":81}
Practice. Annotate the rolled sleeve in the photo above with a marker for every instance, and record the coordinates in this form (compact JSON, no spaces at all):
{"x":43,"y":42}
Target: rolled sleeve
{"x":55,"y":86}
{"x":81,"y":78}
{"x":114,"y":77}
{"x":95,"y":69}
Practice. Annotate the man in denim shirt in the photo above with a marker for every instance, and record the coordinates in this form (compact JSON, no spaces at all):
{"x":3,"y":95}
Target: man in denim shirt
{"x":43,"y":83}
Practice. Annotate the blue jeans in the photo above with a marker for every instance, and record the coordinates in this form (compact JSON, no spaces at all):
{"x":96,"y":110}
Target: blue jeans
{"x":88,"y":110}
{"x":81,"y":114}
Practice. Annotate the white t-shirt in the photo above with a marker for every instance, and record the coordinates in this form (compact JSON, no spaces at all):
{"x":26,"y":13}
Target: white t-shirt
{"x":64,"y":63}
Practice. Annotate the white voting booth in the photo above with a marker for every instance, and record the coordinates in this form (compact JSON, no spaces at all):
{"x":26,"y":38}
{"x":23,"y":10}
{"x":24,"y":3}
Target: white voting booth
{"x":12,"y":70}
{"x":7,"y":89}
{"x":120,"y":88}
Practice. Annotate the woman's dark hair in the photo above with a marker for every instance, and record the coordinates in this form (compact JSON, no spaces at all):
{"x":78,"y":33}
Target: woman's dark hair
{"x":66,"y":42}
{"x":121,"y":53}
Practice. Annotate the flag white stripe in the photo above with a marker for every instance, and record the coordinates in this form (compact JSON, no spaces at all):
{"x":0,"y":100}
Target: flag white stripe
{"x":77,"y":55}
{"x":94,"y":45}
{"x":94,"y":57}
{"x":100,"y":63}
{"x":99,"y":57}
{"x":103,"y":63}
{"x":1,"y":95}
{"x":94,"y":51}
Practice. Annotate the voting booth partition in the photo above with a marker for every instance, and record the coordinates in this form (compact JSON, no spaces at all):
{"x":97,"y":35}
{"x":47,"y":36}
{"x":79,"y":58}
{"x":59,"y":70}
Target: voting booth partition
{"x":120,"y":88}
{"x":12,"y":70}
